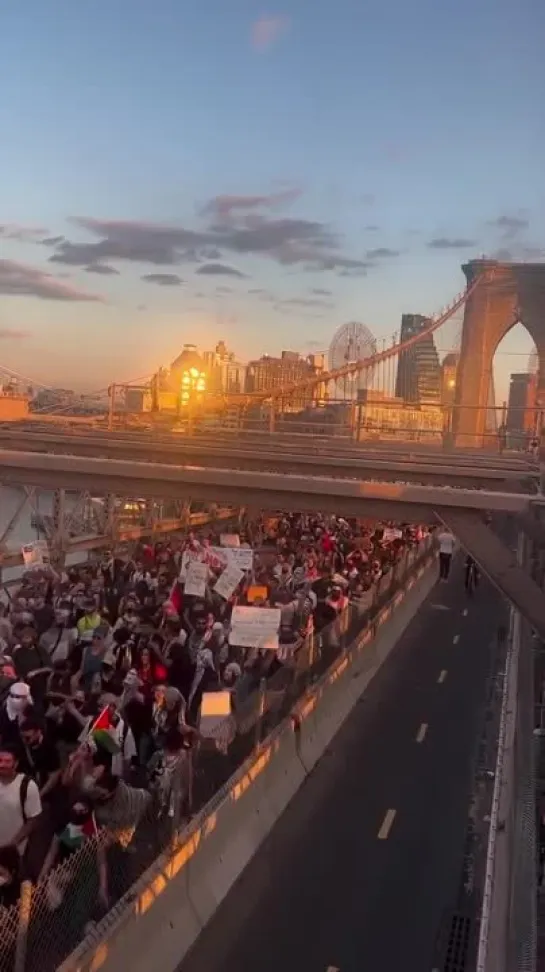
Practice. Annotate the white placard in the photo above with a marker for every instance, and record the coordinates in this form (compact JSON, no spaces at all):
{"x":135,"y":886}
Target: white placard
{"x":188,"y":557}
{"x":196,"y":578}
{"x":229,"y":540}
{"x":255,"y":627}
{"x":241,"y":557}
{"x":228,"y":582}
{"x":390,"y":534}
{"x":35,"y":555}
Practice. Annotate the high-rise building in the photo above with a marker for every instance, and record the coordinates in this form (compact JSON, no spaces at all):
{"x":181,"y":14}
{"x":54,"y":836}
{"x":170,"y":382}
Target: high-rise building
{"x":521,"y":405}
{"x":267,"y":374}
{"x":419,"y":371}
{"x":225,"y":374}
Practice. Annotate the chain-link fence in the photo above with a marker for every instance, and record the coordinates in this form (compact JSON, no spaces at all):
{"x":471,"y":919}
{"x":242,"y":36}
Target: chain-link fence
{"x":52,"y":917}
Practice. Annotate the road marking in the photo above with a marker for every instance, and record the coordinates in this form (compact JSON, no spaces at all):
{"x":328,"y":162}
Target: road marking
{"x":387,"y":825}
{"x":442,"y":676}
{"x":421,"y":734}
{"x":456,"y":639}
{"x":465,"y":613}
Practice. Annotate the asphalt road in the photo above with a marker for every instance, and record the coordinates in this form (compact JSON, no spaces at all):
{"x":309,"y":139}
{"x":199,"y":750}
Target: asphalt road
{"x":359,"y":872}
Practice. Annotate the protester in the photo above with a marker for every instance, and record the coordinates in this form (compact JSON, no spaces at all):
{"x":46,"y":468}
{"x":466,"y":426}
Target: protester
{"x":105,"y":670}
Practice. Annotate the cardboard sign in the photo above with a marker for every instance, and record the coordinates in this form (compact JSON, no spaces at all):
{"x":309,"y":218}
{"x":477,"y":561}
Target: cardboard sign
{"x":228,"y":582}
{"x":255,"y":627}
{"x":196,"y":578}
{"x":229,"y":540}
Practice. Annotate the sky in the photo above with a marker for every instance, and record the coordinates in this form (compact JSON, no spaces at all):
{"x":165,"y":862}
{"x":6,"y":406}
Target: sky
{"x":179,"y":172}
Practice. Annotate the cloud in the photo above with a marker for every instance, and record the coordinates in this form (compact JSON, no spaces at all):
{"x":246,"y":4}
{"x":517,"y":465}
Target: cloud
{"x":224,"y":290}
{"x":102,"y":268}
{"x":267,"y":30}
{"x":448,"y":243}
{"x":510,"y":226}
{"x":219,"y":270}
{"x":21,"y":234}
{"x":52,"y":240}
{"x":304,"y":302}
{"x":163,"y":279}
{"x":11,"y":334}
{"x":225,"y":206}
{"x":288,"y":241}
{"x":18,"y":279}
{"x":372,"y":228}
{"x":381,"y":252}
{"x":321,"y":292}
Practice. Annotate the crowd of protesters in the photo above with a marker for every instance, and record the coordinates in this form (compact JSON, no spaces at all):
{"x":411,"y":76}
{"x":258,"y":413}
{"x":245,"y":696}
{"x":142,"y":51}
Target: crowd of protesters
{"x":103,"y":670}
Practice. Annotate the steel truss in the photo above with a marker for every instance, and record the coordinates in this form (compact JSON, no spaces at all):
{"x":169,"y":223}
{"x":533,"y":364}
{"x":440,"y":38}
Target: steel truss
{"x":464,"y":511}
{"x":79,"y":522}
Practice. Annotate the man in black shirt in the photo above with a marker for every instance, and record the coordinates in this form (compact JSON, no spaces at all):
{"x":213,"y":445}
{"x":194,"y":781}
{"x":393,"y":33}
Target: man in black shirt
{"x":40,"y":757}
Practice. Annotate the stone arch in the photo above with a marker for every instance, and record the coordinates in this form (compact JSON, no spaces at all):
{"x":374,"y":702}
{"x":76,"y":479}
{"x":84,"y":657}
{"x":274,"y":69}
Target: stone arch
{"x":506,"y":294}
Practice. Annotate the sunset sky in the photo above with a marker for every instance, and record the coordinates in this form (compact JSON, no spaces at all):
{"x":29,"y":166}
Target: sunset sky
{"x":179,"y":172}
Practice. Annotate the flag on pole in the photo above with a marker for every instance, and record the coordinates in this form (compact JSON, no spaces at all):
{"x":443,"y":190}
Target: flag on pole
{"x":102,"y":732}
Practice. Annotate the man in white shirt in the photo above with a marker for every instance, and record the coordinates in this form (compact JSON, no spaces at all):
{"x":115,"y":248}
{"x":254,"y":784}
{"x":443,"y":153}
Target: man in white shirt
{"x":446,"y":550}
{"x":20,"y":804}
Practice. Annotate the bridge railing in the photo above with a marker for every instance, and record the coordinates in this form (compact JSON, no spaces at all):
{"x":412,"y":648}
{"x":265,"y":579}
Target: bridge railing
{"x":508,"y":927}
{"x":54,"y":915}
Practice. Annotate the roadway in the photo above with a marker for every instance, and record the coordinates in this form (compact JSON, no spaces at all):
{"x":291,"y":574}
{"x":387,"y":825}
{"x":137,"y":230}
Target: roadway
{"x":363,"y":869}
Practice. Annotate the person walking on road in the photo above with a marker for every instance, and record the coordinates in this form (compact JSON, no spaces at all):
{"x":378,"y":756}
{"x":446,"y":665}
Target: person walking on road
{"x":446,"y":550}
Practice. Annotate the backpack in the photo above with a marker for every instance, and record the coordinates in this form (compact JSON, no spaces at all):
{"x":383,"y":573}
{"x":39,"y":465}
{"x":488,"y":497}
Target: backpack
{"x":23,"y":792}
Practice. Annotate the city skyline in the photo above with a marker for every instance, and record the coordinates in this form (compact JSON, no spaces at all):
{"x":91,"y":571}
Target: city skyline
{"x":209,"y":183}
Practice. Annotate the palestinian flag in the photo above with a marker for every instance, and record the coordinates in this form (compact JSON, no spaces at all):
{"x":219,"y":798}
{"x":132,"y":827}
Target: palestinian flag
{"x":74,"y":835}
{"x":102,"y":733}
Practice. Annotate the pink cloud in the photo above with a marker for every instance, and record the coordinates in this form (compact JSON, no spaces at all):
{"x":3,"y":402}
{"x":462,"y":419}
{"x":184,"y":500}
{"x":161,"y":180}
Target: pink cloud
{"x":267,"y":30}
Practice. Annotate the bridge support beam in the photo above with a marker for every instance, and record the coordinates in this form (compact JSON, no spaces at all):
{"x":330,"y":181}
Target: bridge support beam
{"x":499,"y":563}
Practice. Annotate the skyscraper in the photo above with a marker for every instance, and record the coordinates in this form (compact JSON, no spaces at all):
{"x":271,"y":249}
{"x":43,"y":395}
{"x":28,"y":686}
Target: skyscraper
{"x":418,"y":377}
{"x":521,"y":406}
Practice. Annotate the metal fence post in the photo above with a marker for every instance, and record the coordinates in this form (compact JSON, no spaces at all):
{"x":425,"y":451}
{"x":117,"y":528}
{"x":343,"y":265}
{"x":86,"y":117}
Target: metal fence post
{"x":25,"y":904}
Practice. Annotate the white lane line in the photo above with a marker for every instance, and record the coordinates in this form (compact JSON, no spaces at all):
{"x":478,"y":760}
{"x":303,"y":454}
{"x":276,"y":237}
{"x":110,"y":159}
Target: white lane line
{"x":442,"y":676}
{"x":421,"y":734}
{"x":384,"y":831}
{"x":465,"y":613}
{"x":456,"y":639}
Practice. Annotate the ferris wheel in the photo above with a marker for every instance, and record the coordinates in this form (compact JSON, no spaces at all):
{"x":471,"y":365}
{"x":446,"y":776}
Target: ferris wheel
{"x":351,"y":342}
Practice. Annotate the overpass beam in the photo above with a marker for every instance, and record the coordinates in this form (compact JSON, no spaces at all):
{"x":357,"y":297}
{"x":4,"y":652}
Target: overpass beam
{"x":499,"y":563}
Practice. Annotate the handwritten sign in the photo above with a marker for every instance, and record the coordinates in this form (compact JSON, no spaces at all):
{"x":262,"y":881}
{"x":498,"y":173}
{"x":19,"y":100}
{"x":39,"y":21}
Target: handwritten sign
{"x":35,"y":555}
{"x":241,"y":557}
{"x":255,"y":627}
{"x":229,"y":540}
{"x":228,"y":582}
{"x":196,"y":578}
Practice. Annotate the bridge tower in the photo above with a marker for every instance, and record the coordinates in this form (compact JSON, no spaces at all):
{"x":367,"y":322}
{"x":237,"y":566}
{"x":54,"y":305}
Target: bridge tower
{"x":506,"y":294}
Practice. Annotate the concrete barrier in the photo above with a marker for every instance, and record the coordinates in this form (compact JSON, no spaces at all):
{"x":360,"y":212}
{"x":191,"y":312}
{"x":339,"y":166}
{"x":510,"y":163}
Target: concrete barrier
{"x":162,"y":916}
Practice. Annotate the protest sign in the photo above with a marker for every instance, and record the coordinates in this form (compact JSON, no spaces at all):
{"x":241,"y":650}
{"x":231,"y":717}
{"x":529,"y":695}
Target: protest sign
{"x":196,"y":578}
{"x":229,"y":540}
{"x":228,"y":582}
{"x":241,"y":557}
{"x":35,"y":555}
{"x":255,"y":627}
